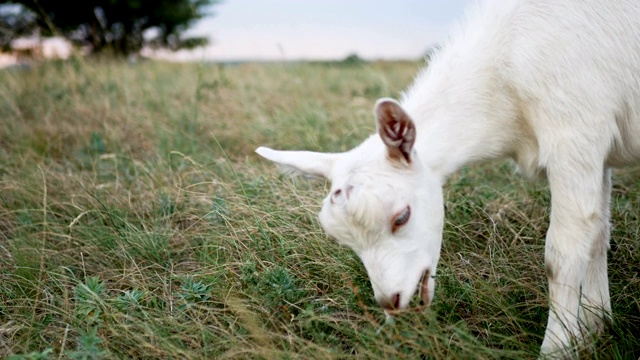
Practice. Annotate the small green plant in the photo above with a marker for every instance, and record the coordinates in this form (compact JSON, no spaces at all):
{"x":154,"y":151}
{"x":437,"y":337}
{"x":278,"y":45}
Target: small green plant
{"x":280,"y":287}
{"x":90,"y":301}
{"x":88,"y":346}
{"x":34,"y":355}
{"x":193,"y":292}
{"x":131,"y":302}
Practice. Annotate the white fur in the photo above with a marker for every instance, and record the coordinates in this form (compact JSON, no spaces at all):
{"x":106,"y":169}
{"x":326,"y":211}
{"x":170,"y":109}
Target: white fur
{"x":552,"y":84}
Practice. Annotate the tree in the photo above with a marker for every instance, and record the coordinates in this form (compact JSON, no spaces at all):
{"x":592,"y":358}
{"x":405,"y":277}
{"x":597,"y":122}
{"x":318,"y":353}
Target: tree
{"x":122,"y":26}
{"x":14,"y":22}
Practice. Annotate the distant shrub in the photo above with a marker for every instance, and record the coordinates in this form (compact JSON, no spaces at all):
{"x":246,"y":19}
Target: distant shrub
{"x":352,"y":59}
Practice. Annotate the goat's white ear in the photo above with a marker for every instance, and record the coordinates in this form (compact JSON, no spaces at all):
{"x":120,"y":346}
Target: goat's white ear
{"x":303,"y":163}
{"x":396,"y":129}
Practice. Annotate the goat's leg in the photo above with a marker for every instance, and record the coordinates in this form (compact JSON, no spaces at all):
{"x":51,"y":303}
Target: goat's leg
{"x":595,"y":310}
{"x":575,"y":224}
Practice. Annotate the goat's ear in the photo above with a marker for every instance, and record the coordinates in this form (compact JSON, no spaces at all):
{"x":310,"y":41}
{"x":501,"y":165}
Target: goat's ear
{"x":396,"y":129}
{"x":305,"y":163}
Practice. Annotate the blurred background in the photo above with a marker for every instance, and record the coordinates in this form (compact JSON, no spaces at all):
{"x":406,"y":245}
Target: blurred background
{"x":227,"y":31}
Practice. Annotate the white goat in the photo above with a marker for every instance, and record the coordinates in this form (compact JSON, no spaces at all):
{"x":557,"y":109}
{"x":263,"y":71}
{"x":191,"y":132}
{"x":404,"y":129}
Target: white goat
{"x":552,"y":84}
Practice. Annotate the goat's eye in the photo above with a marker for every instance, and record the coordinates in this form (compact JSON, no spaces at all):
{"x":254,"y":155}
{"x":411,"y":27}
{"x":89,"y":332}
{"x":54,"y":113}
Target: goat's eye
{"x":401,"y":218}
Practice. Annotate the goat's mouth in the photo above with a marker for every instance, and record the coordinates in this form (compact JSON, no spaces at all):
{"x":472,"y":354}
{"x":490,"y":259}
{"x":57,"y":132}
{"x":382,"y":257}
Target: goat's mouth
{"x":423,"y":288}
{"x":423,"y":294}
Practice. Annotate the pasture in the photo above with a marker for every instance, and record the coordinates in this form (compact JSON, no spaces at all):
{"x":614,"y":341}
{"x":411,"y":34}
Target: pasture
{"x":136,"y":221}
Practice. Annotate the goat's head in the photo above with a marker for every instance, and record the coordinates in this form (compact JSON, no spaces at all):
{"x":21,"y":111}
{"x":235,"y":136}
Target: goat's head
{"x":384,"y":204}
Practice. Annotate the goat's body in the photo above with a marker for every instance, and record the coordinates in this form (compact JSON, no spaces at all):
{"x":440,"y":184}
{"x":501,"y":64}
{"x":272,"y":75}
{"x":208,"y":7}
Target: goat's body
{"x":553,"y":84}
{"x":579,"y":85}
{"x":524,"y":76}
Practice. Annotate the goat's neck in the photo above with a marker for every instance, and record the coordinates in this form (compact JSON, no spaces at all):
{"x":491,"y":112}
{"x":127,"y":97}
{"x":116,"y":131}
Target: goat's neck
{"x":461,"y":117}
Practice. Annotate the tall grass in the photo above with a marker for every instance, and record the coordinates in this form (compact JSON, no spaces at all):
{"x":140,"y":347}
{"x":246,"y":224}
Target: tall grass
{"x":136,"y":222}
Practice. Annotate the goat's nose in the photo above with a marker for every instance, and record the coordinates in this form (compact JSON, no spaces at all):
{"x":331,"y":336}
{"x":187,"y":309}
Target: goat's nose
{"x":390,"y":303}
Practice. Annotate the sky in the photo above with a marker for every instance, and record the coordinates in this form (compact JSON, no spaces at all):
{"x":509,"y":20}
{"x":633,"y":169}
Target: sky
{"x":323,"y":29}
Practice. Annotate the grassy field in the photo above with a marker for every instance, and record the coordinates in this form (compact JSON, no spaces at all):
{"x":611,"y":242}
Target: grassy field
{"x":137,"y":222}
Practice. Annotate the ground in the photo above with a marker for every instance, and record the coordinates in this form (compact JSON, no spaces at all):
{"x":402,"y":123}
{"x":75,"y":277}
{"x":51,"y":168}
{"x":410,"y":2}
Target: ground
{"x":136,"y":221}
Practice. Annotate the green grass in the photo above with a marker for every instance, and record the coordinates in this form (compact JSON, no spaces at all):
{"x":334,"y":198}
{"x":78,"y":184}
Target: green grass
{"x":136,"y":222}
